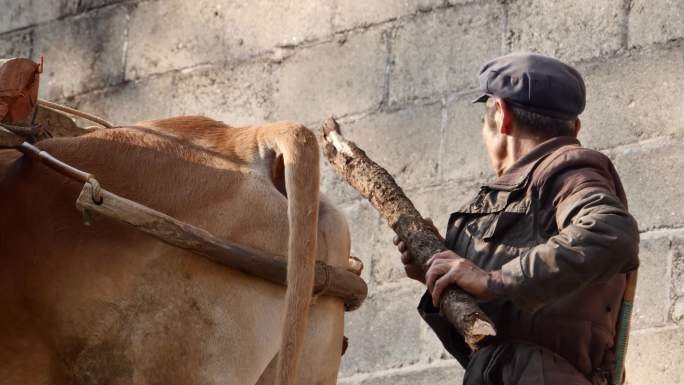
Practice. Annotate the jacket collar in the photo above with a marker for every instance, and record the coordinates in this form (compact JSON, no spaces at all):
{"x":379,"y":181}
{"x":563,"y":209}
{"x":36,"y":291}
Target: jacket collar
{"x":517,"y":174}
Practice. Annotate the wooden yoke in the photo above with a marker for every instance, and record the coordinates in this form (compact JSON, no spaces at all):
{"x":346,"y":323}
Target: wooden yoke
{"x":329,"y":280}
{"x":377,"y":185}
{"x":94,"y":201}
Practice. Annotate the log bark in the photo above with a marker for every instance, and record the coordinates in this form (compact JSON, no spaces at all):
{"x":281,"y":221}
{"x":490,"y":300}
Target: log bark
{"x":375,"y":184}
{"x":329,"y":280}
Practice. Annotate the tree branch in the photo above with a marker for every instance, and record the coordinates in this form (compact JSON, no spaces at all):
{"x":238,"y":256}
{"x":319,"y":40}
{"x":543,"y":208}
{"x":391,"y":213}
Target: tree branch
{"x":375,"y":184}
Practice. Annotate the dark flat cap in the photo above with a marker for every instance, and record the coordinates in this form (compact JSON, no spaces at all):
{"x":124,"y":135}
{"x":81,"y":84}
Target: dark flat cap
{"x":535,"y":83}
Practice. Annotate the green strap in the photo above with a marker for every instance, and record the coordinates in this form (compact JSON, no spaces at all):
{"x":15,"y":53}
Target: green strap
{"x":622,"y":341}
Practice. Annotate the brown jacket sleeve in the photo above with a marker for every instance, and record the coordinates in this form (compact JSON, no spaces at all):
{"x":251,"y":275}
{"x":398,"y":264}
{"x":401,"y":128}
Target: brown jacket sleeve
{"x":596,"y":237}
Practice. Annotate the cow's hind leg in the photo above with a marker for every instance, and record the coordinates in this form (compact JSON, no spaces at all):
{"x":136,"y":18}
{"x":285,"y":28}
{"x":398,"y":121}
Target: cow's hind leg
{"x":323,"y":346}
{"x":269,"y":376}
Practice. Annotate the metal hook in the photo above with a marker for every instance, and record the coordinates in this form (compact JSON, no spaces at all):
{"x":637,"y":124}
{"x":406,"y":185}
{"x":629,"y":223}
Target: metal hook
{"x":96,"y":191}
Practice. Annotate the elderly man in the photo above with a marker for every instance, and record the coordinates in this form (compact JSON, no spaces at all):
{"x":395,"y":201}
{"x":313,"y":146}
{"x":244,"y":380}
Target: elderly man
{"x":546,"y":246}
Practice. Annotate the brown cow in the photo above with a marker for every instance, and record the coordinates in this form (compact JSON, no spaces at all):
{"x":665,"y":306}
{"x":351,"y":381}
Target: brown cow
{"x":107,"y":305}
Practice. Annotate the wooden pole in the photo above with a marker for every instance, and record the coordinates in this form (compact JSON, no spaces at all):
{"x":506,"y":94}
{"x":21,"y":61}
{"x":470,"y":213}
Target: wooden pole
{"x":329,"y":280}
{"x":379,"y":187}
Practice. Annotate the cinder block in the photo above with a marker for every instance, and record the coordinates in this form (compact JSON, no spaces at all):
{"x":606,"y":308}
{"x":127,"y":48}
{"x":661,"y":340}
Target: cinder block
{"x":130,"y":102}
{"x":363,"y":222}
{"x":677,"y":257}
{"x":443,"y":50}
{"x":78,"y":6}
{"x":384,"y":332}
{"x":166,"y":35}
{"x":653,"y":21}
{"x":348,"y":381}
{"x":21,"y":13}
{"x":16,"y":44}
{"x":464,"y":154}
{"x":334,"y":187}
{"x":386,"y":266}
{"x":340,"y":78}
{"x":405,"y":142}
{"x":649,"y":173}
{"x":81,"y":53}
{"x":571,"y":30}
{"x":449,"y":374}
{"x":656,"y":357}
{"x":633,"y":97}
{"x":676,"y":311}
{"x":438,"y":202}
{"x":446,"y":372}
{"x":653,"y":287}
{"x":237,"y":95}
{"x":357,"y":13}
{"x":432,"y":347}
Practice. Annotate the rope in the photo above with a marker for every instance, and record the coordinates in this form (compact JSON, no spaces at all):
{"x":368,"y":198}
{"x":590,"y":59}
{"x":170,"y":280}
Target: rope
{"x":72,"y":111}
{"x":18,"y":130}
{"x":323,"y":288}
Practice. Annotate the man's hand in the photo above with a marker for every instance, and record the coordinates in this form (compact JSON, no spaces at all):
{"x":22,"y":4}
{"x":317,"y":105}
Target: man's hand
{"x":412,"y":269}
{"x":447,"y":268}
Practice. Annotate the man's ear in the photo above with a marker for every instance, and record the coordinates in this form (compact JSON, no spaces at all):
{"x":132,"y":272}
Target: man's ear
{"x":578,"y":126}
{"x":503,"y":117}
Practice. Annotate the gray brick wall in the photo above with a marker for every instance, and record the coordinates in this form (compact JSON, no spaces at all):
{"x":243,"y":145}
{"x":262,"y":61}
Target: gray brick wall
{"x":399,"y":74}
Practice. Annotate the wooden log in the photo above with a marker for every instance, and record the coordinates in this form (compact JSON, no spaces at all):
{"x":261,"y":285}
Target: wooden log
{"x":329,"y":280}
{"x":379,"y":187}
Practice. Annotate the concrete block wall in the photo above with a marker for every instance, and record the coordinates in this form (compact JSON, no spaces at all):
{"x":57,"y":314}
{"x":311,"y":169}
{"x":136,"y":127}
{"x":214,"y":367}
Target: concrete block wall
{"x":400,"y":75}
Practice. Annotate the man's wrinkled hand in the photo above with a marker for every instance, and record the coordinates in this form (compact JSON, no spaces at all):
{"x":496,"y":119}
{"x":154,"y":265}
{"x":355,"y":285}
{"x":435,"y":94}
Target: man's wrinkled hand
{"x":448,"y":268}
{"x":413,"y":270}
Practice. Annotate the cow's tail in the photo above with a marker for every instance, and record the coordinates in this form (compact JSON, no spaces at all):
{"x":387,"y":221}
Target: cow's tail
{"x":299,"y":149}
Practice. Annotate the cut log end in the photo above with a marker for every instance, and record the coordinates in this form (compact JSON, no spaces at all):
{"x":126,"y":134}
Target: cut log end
{"x":333,"y":137}
{"x":482,"y":329}
{"x":330,"y":125}
{"x":462,"y":311}
{"x":478,"y":331}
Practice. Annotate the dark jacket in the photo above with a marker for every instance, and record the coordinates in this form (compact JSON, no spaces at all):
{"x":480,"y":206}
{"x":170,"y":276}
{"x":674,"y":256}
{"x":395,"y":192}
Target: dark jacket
{"x":555,"y":230}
